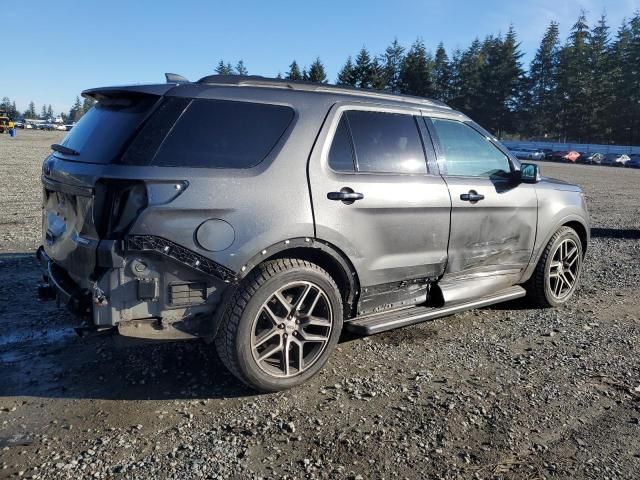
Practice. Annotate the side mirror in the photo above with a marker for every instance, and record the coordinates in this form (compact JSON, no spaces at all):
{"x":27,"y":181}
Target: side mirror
{"x":529,"y":173}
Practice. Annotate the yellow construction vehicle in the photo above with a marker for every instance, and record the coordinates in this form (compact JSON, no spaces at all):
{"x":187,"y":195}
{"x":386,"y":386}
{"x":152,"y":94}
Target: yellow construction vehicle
{"x":5,"y":123}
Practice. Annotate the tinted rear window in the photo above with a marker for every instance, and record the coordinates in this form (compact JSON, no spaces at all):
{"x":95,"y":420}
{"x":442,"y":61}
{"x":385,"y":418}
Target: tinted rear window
{"x":103,"y":131}
{"x":341,"y":152}
{"x":223,"y":134}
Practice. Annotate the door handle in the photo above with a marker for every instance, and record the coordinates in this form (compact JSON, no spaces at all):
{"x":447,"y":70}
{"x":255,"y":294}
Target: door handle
{"x":472,"y":196}
{"x":345,"y":195}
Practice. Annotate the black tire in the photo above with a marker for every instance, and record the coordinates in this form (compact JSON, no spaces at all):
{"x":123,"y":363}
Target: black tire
{"x":540,"y":287}
{"x":236,"y":332}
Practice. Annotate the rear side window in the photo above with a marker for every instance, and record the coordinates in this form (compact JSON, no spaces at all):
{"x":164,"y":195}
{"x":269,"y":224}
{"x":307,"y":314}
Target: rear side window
{"x":341,"y":152}
{"x":223,"y":134}
{"x":103,"y":131}
{"x":386,"y":142}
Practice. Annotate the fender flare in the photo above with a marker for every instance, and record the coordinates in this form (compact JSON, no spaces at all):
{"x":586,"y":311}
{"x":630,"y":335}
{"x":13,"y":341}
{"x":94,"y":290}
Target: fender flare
{"x":277,"y":249}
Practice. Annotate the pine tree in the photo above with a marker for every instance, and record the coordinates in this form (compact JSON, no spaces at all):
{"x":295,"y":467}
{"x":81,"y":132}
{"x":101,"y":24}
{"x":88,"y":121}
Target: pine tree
{"x":346,"y":75}
{"x":31,"y":111}
{"x":416,"y":74}
{"x":624,"y":111}
{"x":224,"y":69}
{"x":378,"y":75}
{"x":575,"y":83}
{"x":5,"y":105}
{"x":317,"y":73}
{"x":466,"y":80}
{"x":294,"y":72}
{"x":14,"y":111}
{"x":43,"y":113}
{"x":49,"y":111}
{"x":305,"y":75}
{"x":392,"y":65}
{"x":76,"y":112}
{"x":362,"y":69}
{"x":441,"y":75}
{"x":543,"y":85}
{"x":241,"y":69}
{"x":87,"y":104}
{"x":501,"y":80}
{"x":602,"y":89}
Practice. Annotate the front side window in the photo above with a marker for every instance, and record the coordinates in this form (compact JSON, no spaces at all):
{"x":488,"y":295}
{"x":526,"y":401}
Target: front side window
{"x":467,"y":152}
{"x":223,"y":134}
{"x":386,"y":142}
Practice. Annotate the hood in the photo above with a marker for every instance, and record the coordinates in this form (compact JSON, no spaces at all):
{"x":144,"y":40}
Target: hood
{"x":559,"y":184}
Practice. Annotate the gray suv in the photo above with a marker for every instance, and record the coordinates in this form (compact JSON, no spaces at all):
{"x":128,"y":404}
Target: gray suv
{"x":267,"y":216}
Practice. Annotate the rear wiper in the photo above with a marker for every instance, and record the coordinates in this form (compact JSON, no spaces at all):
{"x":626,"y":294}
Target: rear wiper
{"x":62,"y":149}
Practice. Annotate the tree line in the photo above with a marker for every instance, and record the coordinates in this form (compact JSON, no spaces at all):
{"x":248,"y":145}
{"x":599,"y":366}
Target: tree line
{"x":585,"y":88}
{"x":76,"y":112}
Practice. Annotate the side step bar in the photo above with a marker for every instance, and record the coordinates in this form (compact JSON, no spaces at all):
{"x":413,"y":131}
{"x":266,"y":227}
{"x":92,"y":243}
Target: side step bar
{"x":372,"y":324}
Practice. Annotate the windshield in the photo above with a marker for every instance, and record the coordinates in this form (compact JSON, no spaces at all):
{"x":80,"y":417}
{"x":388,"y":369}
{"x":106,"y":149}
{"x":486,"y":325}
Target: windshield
{"x":103,"y":131}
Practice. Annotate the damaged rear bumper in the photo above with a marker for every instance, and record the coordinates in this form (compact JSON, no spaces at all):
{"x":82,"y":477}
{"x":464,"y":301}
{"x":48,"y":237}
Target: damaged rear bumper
{"x":146,"y":294}
{"x":58,"y":286}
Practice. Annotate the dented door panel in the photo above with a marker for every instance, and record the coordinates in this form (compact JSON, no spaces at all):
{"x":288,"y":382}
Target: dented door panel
{"x":494,"y":235}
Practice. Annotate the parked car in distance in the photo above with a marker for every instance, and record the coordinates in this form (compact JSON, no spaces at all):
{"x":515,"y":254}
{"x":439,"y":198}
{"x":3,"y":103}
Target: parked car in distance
{"x":276,"y":233}
{"x":527,"y":153}
{"x":61,"y":127}
{"x":634,"y":161}
{"x":615,"y":159}
{"x":19,"y":124}
{"x":590,"y":158}
{"x":548,"y":153}
{"x":565,"y":156}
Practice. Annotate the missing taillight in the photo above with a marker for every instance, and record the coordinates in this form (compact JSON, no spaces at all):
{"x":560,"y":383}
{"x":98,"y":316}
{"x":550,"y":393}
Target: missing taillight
{"x":118,"y":204}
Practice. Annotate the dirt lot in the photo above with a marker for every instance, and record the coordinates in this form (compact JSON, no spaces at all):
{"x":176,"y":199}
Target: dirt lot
{"x":504,"y":392}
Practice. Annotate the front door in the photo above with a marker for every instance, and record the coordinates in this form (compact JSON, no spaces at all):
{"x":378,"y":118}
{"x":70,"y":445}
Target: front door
{"x":374,"y":197}
{"x":493,"y":217}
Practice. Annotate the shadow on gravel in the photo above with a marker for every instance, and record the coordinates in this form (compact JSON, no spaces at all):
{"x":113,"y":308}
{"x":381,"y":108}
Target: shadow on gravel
{"x":41,"y":356}
{"x":622,"y":233}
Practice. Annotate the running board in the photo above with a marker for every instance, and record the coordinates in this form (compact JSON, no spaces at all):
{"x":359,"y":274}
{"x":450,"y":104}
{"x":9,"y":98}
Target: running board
{"x":382,"y":322}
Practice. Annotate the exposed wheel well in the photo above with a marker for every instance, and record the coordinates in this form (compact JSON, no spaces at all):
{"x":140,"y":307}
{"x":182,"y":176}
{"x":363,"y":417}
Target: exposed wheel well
{"x":582,"y":234}
{"x":341,"y":271}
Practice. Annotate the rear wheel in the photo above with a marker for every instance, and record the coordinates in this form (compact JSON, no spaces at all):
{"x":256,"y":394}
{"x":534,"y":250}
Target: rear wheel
{"x":280,"y":325}
{"x":558,"y":271}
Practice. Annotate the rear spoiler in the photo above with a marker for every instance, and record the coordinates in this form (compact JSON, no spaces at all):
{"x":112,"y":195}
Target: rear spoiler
{"x":127,"y":91}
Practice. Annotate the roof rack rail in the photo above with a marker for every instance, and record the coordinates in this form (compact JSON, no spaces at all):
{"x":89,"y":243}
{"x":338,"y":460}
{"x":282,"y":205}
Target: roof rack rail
{"x":259,"y":81}
{"x":175,"y":78}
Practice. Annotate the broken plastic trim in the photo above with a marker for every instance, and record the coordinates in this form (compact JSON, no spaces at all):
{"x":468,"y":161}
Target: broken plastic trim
{"x":151,"y":243}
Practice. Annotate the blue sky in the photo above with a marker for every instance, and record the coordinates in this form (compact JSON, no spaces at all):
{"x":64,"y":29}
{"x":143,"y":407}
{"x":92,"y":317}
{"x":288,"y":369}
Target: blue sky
{"x":57,"y":48}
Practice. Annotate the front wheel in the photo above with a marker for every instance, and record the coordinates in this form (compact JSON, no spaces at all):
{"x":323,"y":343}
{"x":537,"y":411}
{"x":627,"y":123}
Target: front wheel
{"x":556,"y":276}
{"x":280,"y":324}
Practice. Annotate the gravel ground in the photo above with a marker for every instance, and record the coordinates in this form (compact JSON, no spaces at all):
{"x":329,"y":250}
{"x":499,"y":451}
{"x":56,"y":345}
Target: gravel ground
{"x":502,"y":392}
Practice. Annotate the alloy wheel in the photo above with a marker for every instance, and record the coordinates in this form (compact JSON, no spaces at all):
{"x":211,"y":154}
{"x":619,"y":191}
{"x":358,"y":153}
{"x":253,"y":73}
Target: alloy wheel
{"x":564,"y":268}
{"x":292,"y":329}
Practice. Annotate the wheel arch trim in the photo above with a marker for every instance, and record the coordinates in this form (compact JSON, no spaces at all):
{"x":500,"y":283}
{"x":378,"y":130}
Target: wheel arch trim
{"x":307,"y":248}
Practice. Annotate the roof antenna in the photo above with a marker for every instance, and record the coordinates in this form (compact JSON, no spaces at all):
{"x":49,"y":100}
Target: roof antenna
{"x":175,"y":78}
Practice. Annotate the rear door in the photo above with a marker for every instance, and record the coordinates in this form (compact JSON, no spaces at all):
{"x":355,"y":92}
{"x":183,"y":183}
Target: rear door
{"x":375,"y":197}
{"x":493,"y":217}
